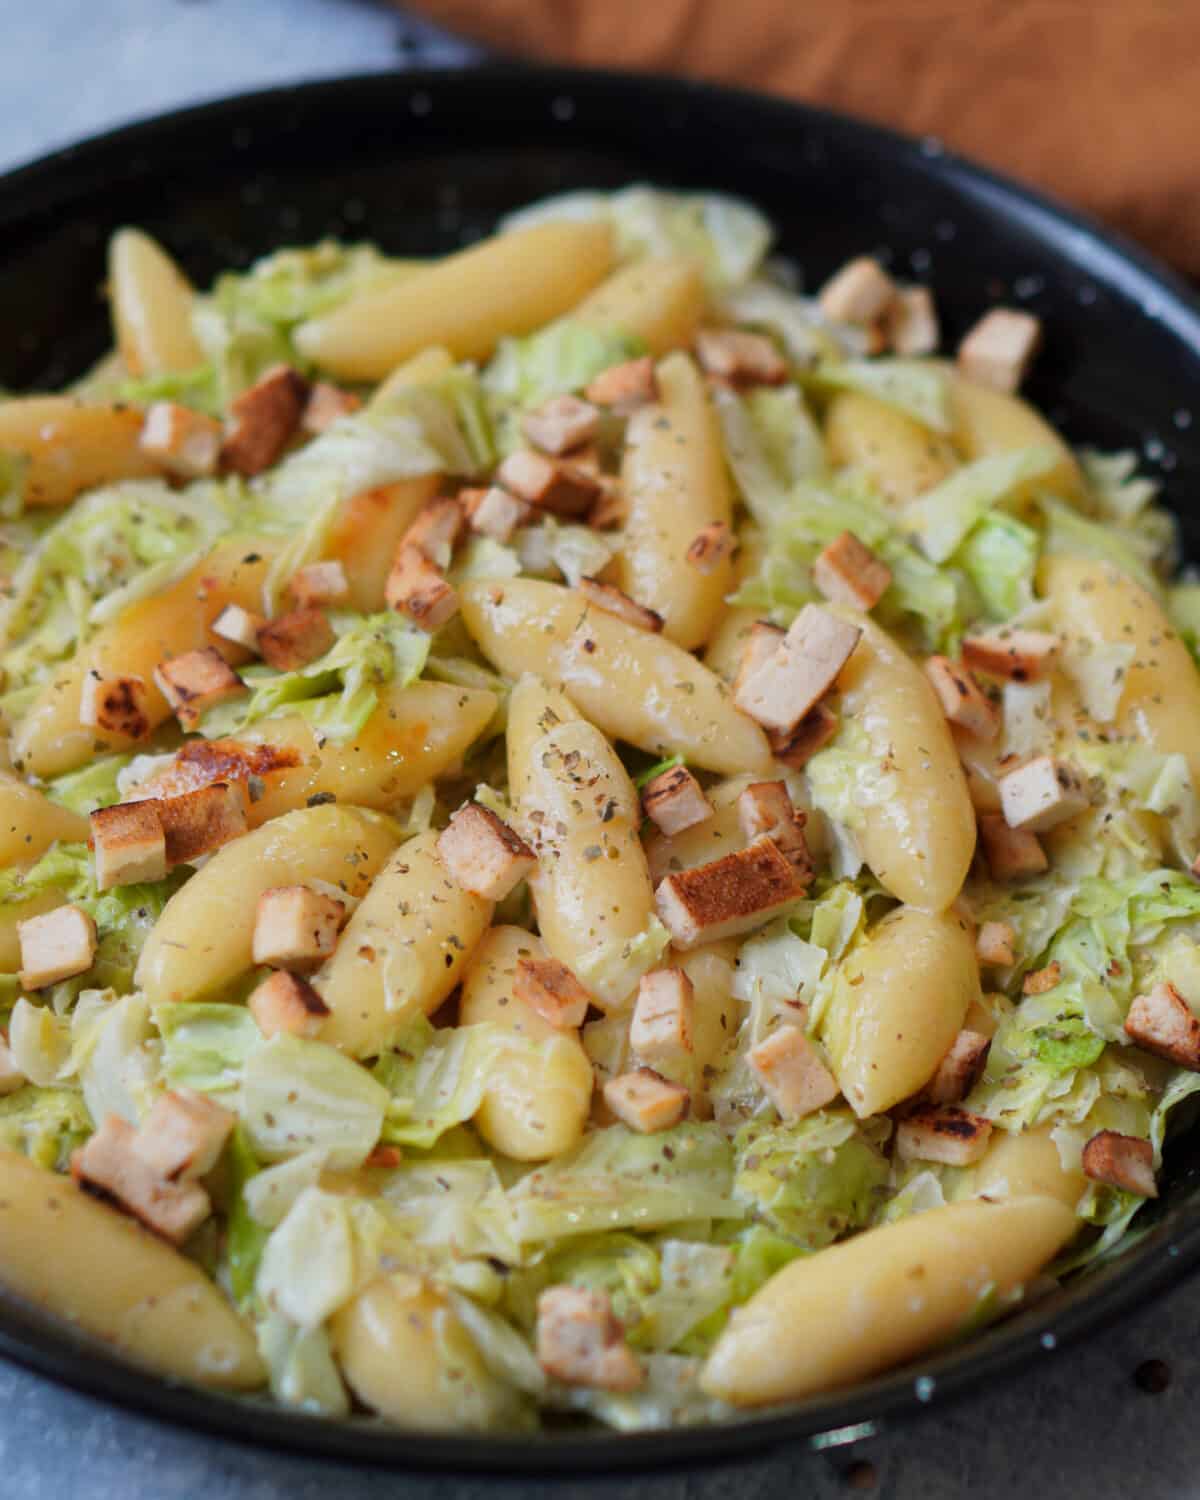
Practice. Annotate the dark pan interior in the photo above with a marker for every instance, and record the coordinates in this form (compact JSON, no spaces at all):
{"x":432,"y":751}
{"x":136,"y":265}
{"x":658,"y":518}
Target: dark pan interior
{"x":425,"y":162}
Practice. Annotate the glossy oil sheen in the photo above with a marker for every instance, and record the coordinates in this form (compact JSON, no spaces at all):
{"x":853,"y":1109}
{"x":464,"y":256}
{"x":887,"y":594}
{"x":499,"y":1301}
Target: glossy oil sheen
{"x":425,"y":163}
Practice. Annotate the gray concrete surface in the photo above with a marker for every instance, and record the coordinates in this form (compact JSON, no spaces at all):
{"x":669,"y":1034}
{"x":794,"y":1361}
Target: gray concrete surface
{"x":1077,"y":1426}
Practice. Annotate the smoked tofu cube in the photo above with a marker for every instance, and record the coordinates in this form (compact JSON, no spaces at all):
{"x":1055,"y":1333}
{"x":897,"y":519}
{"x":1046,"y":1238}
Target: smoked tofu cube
{"x":291,"y":641}
{"x":195,"y":682}
{"x":1041,"y":794}
{"x":263,"y":420}
{"x":645,"y":1102}
{"x":415,"y":588}
{"x":561,"y":424}
{"x":483,"y":855}
{"x":1014,"y":655}
{"x":296,"y":928}
{"x":846,"y":572}
{"x":239,"y":625}
{"x":1042,"y":981}
{"x":436,"y":530}
{"x":861,"y":292}
{"x":11,"y":1077}
{"x":110,"y":1165}
{"x":580,"y":1342}
{"x":765,"y":811}
{"x":612,"y":601}
{"x":624,"y":387}
{"x":118,"y":705}
{"x":943,"y":1133}
{"x":740,"y":359}
{"x":962,"y":700}
{"x":609,"y":509}
{"x":674,"y":800}
{"x":802,"y":670}
{"x":186,"y":443}
{"x":129,"y":843}
{"x":319,"y":583}
{"x":1121,"y":1161}
{"x":183,"y":1135}
{"x":663,"y":1019}
{"x":792,"y":1073}
{"x":762,"y":642}
{"x":961,"y":1068}
{"x":286,"y":1002}
{"x":1011,"y":853}
{"x":325,"y":405}
{"x":196,"y":823}
{"x":910,"y":322}
{"x":551,"y":484}
{"x":709,"y":548}
{"x":728,"y":896}
{"x":1000,"y":348}
{"x":1162,"y":1022}
{"x":994,"y":944}
{"x":795,"y":748}
{"x":56,"y":945}
{"x":494,"y":512}
{"x":548,"y":987}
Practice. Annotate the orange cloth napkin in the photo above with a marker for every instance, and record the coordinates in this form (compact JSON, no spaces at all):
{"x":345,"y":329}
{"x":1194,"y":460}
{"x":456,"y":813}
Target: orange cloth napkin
{"x":1095,"y":100}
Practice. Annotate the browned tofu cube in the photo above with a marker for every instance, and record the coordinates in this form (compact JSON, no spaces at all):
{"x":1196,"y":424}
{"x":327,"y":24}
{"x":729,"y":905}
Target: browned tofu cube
{"x":801,"y":671}
{"x":291,"y":641}
{"x":1121,"y":1161}
{"x":846,"y":572}
{"x":110,"y":1164}
{"x":1042,"y":981}
{"x":483,"y":854}
{"x":612,"y":601}
{"x":129,"y":843}
{"x":580,"y":1342}
{"x":792,"y":1073}
{"x":183,"y":1135}
{"x":550,"y":484}
{"x":765,"y":811}
{"x":1011,"y":853}
{"x":196,"y":823}
{"x":325,"y":405}
{"x":561,"y":424}
{"x":1041,"y":794}
{"x":814,"y":731}
{"x":1015,"y":655}
{"x":740,"y":359}
{"x":961,"y":1068}
{"x":286,"y":1002}
{"x":195,"y":682}
{"x":1000,"y":348}
{"x":994,"y":944}
{"x":910,"y":322}
{"x":761,"y":644}
{"x":296,"y":928}
{"x":415,"y":588}
{"x":494,"y":512}
{"x":56,"y":945}
{"x":728,"y":896}
{"x":186,"y":443}
{"x":239,"y":625}
{"x":860,"y":293}
{"x":1162,"y":1022}
{"x":319,"y":583}
{"x":118,"y":705}
{"x":609,"y":509}
{"x":709,"y":548}
{"x":645,"y":1102}
{"x":436,"y":530}
{"x":663,"y":1019}
{"x":625,"y":387}
{"x":961,"y":698}
{"x":674,"y":800}
{"x":547,"y":986}
{"x":943,"y":1133}
{"x":263,"y":420}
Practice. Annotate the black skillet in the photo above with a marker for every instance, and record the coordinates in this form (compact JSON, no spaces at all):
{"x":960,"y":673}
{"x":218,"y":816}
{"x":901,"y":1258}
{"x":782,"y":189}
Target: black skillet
{"x":423,"y":162}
